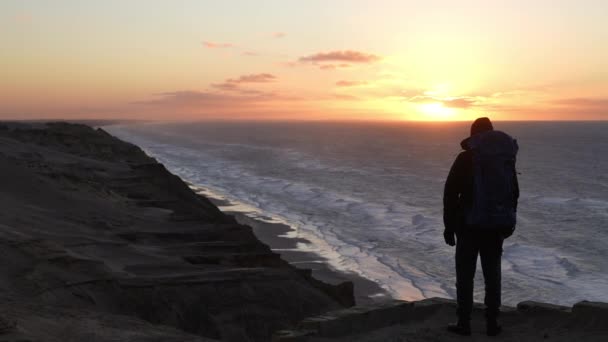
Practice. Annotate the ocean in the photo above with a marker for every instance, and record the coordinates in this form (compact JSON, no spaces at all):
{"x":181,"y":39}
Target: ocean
{"x":368,"y":196}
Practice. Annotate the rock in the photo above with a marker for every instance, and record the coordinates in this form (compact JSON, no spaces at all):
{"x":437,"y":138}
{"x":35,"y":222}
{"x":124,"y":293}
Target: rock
{"x":591,"y":315}
{"x":94,"y":227}
{"x":425,"y":320}
{"x":357,"y":319}
{"x":591,"y":308}
{"x":6,"y":326}
{"x":537,"y":307}
{"x":292,"y":336}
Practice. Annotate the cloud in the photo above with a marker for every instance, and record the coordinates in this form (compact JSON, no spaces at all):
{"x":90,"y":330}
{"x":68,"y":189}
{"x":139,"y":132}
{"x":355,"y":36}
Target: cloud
{"x":346,"y":56}
{"x":333,"y":66}
{"x":288,"y":64}
{"x":583,"y":102}
{"x":350,"y":83}
{"x":212,"y":45}
{"x":225,"y":86}
{"x":233,"y":84}
{"x":191,"y":98}
{"x":580,"y":107}
{"x":209,"y":103}
{"x":279,"y":35}
{"x":254,"y":78}
{"x":249,"y":53}
{"x":345,"y":97}
{"x":461,"y":102}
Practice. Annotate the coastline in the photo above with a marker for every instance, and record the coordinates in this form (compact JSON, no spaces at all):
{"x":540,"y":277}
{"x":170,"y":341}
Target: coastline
{"x":385,"y":223}
{"x":101,"y":242}
{"x":106,"y":244}
{"x":283,"y":239}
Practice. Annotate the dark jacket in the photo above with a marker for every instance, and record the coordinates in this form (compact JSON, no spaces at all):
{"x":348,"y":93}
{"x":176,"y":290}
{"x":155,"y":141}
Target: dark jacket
{"x":458,"y":191}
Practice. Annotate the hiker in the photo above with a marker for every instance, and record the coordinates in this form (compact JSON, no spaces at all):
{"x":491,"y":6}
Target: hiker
{"x":479,"y":209}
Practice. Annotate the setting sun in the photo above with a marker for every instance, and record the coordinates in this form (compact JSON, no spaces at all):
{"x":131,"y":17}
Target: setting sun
{"x":237,"y":170}
{"x":408,"y":60}
{"x":436,"y":112}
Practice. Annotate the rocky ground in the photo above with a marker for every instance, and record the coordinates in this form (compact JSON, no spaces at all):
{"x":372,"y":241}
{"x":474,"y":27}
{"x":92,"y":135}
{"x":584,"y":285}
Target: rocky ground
{"x":426,"y":320}
{"x":99,"y":242}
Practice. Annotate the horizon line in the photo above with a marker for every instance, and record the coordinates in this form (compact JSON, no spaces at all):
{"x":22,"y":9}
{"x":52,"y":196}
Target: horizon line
{"x":74,"y":120}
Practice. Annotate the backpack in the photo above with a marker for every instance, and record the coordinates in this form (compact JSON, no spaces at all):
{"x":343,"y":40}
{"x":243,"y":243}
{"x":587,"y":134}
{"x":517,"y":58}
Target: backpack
{"x":494,"y":154}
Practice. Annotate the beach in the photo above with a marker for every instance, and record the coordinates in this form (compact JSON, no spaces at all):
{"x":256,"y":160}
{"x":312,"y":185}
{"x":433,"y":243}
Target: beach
{"x":282,"y":239}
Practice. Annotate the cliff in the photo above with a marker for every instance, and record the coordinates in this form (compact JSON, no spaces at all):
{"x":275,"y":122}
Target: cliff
{"x":426,"y":320}
{"x":99,"y":242}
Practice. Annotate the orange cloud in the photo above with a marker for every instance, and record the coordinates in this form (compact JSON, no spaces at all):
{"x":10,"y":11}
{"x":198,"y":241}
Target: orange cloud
{"x":202,"y":99}
{"x":449,"y":102}
{"x":583,"y":102}
{"x":333,"y":66}
{"x":221,"y":105}
{"x":345,"y":97}
{"x":212,"y":45}
{"x":350,"y":83}
{"x":225,"y":86}
{"x":461,"y":102}
{"x":279,"y":35}
{"x":347,"y":56}
{"x":233,"y":83}
{"x":254,"y":78}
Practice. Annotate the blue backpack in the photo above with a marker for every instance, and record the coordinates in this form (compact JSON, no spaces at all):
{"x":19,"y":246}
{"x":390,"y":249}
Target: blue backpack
{"x":494,"y":155}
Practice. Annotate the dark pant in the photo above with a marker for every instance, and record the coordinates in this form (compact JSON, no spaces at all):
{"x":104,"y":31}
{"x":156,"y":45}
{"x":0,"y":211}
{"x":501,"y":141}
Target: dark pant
{"x":489,"y":246}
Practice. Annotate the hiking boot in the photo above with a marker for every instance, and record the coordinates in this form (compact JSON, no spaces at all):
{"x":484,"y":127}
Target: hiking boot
{"x":492,"y":327}
{"x":460,"y":328}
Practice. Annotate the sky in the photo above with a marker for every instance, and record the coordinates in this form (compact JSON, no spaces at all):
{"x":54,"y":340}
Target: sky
{"x":304,"y":59}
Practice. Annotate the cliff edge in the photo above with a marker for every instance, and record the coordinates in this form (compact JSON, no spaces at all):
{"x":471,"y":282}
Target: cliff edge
{"x":426,"y":320}
{"x":99,"y":242}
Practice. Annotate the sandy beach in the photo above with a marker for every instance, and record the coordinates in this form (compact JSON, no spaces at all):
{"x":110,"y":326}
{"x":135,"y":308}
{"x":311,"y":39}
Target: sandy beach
{"x":283,"y":239}
{"x":276,"y":235}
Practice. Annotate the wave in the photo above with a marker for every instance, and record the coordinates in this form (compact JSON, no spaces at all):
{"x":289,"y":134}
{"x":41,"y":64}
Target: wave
{"x":384,"y":222}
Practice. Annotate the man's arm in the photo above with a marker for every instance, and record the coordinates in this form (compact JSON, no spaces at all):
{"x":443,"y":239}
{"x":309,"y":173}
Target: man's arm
{"x":510,"y":232}
{"x":451,"y":197}
{"x":515,"y":190}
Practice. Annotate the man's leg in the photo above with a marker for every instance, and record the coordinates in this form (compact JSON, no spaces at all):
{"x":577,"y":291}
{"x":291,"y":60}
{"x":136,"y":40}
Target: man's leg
{"x":491,"y":252}
{"x":467,"y":249}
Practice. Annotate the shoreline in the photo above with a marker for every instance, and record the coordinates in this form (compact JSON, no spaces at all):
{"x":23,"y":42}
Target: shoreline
{"x":106,"y":243}
{"x":274,"y":235}
{"x":283,"y":240}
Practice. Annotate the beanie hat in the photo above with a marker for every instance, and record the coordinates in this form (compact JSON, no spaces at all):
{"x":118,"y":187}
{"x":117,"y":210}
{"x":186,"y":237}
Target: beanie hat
{"x":481,"y":125}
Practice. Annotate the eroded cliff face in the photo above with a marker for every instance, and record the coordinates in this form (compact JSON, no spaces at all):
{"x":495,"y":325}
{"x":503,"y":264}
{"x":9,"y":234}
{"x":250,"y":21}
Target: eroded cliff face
{"x":426,"y":320}
{"x":97,"y":239}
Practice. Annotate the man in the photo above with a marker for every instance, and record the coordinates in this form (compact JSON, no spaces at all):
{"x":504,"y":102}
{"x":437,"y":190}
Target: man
{"x":480,"y":202}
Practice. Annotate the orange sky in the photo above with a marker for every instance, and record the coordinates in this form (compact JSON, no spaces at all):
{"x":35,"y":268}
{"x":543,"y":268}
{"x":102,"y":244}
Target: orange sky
{"x":315,"y":59}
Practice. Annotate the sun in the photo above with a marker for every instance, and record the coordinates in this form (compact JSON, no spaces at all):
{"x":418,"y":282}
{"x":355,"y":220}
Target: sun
{"x":436,"y":111}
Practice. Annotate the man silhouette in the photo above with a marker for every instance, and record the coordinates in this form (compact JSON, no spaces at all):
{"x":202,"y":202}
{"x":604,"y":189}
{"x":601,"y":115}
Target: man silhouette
{"x":461,"y":209}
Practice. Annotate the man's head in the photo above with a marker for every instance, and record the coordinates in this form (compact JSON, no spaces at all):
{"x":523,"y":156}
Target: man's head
{"x":481,"y":125}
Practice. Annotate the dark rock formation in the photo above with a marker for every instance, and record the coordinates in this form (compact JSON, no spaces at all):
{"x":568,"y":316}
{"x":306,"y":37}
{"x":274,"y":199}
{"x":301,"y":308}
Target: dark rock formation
{"x":425,"y":320}
{"x":93,"y":227}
